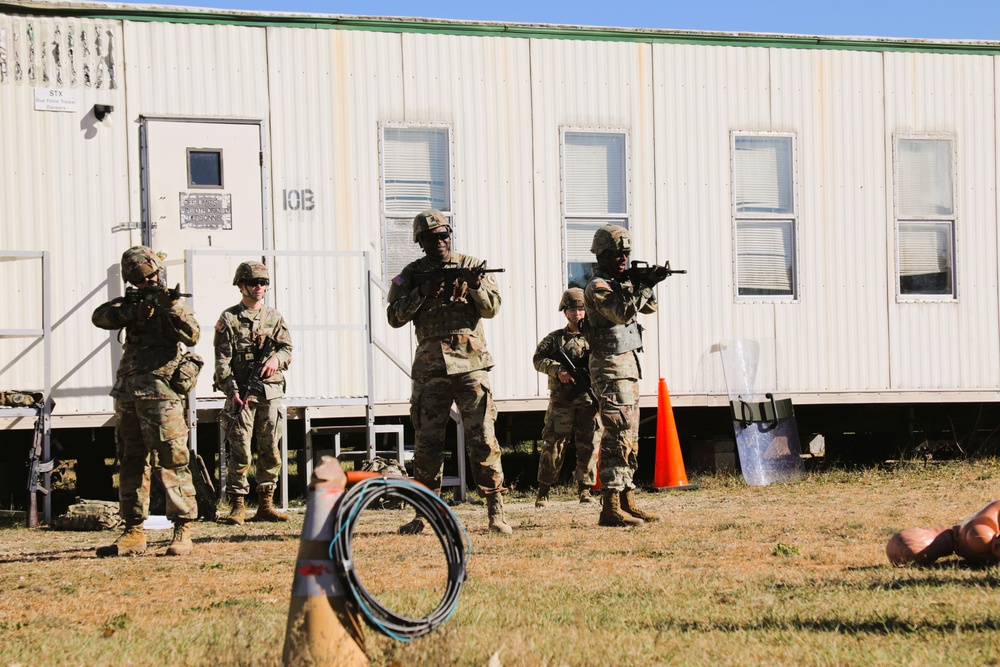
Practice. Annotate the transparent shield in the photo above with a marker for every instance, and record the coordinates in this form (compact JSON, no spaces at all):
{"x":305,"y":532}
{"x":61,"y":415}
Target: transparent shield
{"x":769,"y":451}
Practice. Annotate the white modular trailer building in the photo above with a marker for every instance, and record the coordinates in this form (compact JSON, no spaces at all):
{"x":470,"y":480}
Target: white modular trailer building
{"x":833,"y":199}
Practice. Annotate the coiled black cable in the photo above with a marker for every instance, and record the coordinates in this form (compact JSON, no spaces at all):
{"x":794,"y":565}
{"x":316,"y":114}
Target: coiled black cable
{"x":435,"y":512}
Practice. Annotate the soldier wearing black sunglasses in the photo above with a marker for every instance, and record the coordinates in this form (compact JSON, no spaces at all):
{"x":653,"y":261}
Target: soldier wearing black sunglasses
{"x":451,"y":362}
{"x":239,"y":335}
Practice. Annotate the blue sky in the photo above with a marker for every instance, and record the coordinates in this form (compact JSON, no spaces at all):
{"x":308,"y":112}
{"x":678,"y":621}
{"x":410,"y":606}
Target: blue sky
{"x":938,"y":19}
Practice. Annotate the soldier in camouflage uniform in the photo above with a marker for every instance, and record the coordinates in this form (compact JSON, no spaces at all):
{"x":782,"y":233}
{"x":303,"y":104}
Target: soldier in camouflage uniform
{"x":149,"y":411}
{"x":237,"y":336}
{"x":451,"y":363}
{"x":572,"y":413}
{"x":613,"y":303}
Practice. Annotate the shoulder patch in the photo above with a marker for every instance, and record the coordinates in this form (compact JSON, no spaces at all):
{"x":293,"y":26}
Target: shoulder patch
{"x":220,"y":325}
{"x":398,"y":280}
{"x":600,"y":283}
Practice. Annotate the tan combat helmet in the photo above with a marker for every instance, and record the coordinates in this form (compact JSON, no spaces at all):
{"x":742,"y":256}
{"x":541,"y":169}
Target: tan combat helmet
{"x":571,"y":298}
{"x":138,"y":263}
{"x":428,"y":221}
{"x":250,"y":270}
{"x":614,"y":238}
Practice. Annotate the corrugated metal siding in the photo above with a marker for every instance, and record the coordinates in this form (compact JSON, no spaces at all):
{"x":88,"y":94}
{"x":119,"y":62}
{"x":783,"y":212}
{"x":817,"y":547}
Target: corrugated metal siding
{"x":702,"y":93}
{"x":835,"y":337}
{"x":196,"y":70}
{"x":950,"y":345}
{"x":64,"y":186}
{"x":591,"y":86}
{"x":480,"y":87}
{"x":328,"y":89}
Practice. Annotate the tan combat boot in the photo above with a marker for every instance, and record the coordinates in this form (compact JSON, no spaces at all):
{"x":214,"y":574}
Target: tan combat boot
{"x":611,"y":512}
{"x":414,"y":527}
{"x":181,"y":544}
{"x":494,"y":508}
{"x":584,"y":491}
{"x":628,"y":505}
{"x":131,"y":543}
{"x":542,"y":499}
{"x":238,"y":513}
{"x":266,"y":511}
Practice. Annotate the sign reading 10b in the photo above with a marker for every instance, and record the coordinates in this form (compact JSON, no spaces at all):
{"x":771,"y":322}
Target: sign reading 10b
{"x":298,"y":200}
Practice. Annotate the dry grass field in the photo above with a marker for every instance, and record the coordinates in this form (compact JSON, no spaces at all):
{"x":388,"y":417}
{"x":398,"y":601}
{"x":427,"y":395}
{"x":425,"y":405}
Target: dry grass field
{"x":790,"y":574}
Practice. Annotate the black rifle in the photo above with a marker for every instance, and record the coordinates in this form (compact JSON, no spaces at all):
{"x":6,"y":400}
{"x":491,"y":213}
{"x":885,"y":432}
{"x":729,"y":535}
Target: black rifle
{"x":642,"y":273}
{"x":449,"y":273}
{"x":252,"y":382}
{"x":580,"y":376}
{"x":156,"y":295}
{"x":36,"y":467}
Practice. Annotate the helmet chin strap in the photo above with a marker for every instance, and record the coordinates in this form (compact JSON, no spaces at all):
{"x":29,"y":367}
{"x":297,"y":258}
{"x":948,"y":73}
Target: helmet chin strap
{"x":248,"y":294}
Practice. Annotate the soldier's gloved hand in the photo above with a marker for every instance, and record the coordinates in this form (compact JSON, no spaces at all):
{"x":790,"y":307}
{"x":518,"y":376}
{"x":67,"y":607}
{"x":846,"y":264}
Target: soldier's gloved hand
{"x":459,"y":289}
{"x":655,"y":275}
{"x":432,"y":288}
{"x":470,"y":278}
{"x":146,"y":310}
{"x":129,"y":310}
{"x":167,"y":298}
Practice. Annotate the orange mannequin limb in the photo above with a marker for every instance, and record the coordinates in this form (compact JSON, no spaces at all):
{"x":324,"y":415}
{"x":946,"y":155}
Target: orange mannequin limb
{"x":975,"y":539}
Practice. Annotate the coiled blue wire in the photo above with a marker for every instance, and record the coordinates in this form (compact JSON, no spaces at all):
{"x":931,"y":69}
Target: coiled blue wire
{"x":450,"y":531}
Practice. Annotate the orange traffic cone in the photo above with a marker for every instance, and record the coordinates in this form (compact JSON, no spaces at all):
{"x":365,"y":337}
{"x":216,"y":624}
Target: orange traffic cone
{"x":668,"y":472}
{"x":321,"y":629}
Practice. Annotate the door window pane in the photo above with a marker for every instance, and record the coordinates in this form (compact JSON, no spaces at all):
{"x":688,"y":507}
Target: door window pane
{"x":204,"y":168}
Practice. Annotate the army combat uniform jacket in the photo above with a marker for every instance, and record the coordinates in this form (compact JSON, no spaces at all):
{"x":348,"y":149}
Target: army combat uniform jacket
{"x":449,"y":334}
{"x":153,"y":346}
{"x":612,"y":330}
{"x":578,"y":351}
{"x":234,"y":354}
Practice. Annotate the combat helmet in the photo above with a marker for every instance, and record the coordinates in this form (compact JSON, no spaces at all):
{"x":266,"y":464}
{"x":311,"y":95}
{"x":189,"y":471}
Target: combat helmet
{"x":571,"y":298}
{"x":250,"y":270}
{"x":614,"y":238}
{"x":428,"y":221}
{"x":138,"y":263}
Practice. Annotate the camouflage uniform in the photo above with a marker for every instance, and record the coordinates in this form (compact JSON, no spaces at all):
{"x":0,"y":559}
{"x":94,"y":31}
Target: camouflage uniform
{"x":572,"y":414}
{"x":450,"y":364}
{"x":615,"y":372}
{"x":149,"y":413}
{"x":234,"y":355}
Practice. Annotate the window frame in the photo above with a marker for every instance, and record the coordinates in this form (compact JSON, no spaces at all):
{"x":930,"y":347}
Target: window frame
{"x":791,"y":219}
{"x":593,"y":217}
{"x":925,"y":219}
{"x":387,"y":214}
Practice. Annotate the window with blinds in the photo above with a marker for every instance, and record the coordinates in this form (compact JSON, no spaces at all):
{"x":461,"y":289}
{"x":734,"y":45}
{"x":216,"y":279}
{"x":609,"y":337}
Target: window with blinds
{"x":415,"y":174}
{"x":765,"y":214}
{"x":925,"y":217}
{"x":595,"y":193}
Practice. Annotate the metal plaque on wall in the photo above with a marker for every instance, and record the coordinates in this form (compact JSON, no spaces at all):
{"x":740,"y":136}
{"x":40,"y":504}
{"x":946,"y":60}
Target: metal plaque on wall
{"x":199,"y":210}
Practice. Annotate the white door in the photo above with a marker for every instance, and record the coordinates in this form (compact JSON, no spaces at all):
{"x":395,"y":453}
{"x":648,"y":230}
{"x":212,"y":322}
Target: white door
{"x":203,"y":189}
